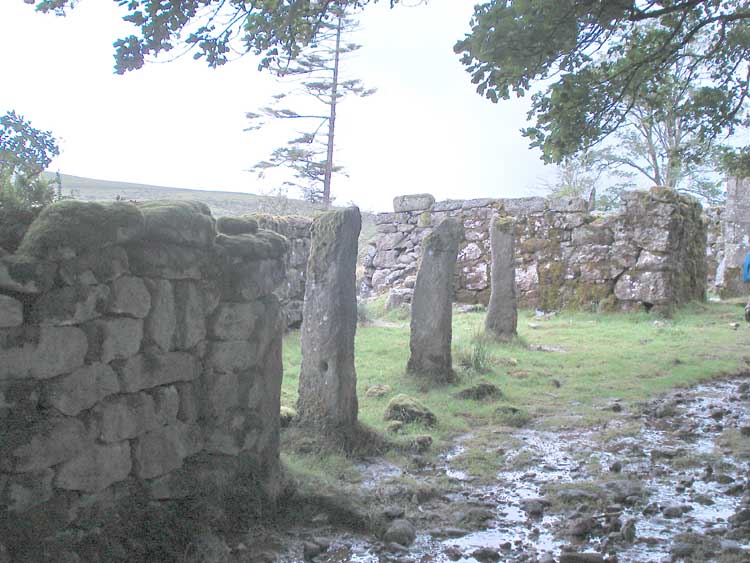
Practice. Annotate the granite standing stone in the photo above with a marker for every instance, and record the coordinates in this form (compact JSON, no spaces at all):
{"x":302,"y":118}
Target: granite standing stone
{"x":328,"y":381}
{"x":431,"y":308}
{"x":502,"y":315}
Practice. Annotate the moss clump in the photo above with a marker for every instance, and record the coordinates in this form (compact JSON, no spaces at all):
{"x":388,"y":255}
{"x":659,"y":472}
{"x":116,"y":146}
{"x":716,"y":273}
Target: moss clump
{"x":291,"y":226}
{"x":424,"y":219}
{"x":179,"y":222}
{"x":588,"y":296}
{"x":82,"y":227}
{"x":260,"y":246}
{"x":408,"y":409}
{"x":551,"y":278}
{"x":237,"y":225}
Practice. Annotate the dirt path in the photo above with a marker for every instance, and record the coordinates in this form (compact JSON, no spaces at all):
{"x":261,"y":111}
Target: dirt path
{"x":666,"y":483}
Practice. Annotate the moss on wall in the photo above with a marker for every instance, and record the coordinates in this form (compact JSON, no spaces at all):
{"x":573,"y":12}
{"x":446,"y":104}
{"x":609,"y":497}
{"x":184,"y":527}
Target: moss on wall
{"x":82,"y":227}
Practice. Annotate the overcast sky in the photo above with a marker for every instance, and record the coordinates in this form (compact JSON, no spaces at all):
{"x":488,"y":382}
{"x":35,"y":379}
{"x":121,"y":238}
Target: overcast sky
{"x":181,"y":124}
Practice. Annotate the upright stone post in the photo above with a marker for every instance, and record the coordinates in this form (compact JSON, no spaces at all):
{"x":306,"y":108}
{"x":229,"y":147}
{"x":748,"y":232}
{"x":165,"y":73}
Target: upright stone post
{"x":431,"y":307}
{"x":502,"y":315}
{"x":328,"y":381}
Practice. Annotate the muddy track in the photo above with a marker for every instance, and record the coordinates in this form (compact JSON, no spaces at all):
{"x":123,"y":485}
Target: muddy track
{"x":668,"y":482}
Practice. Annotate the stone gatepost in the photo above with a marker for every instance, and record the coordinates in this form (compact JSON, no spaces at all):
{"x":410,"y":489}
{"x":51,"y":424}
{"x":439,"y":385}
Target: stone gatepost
{"x":735,"y":223}
{"x":328,"y":381}
{"x":431,"y":308}
{"x":502,"y":315}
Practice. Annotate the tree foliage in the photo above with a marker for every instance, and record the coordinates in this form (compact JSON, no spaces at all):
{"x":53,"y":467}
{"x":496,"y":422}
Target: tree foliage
{"x":660,"y":141}
{"x":25,"y":152}
{"x":213,"y":29}
{"x":597,"y":59}
{"x":316,"y":75}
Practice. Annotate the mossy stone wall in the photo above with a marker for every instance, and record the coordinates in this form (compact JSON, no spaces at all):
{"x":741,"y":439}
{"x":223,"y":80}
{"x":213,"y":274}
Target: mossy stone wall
{"x":651,"y":254}
{"x":140,"y":357}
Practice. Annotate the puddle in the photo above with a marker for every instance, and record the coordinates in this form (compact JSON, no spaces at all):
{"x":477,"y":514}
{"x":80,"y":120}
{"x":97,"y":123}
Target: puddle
{"x":675,"y":457}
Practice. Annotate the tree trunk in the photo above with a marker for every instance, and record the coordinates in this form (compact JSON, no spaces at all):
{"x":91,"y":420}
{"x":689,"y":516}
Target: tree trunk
{"x":332,"y":119}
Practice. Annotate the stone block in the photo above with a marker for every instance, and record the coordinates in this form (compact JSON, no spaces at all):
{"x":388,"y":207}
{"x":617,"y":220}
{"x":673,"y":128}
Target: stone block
{"x":19,"y":398}
{"x":96,"y":468}
{"x":25,"y":274}
{"x":592,"y":233}
{"x":193,"y":303}
{"x":42,"y":352}
{"x":168,"y":261}
{"x":414,"y":202}
{"x":11,"y":312}
{"x":237,"y":225}
{"x":381,"y":218}
{"x":114,"y":338}
{"x":189,"y":408}
{"x":229,"y":356}
{"x":378,"y":281}
{"x":164,"y":449}
{"x":222,"y":394}
{"x":568,"y":205}
{"x":126,"y":417}
{"x":42,"y":444}
{"x":398,"y":298}
{"x":387,"y":228}
{"x":391,"y":242}
{"x":430,"y":339}
{"x":327,"y":382}
{"x":236,"y":321}
{"x":264,"y":245}
{"x":385,"y":258}
{"x":654,"y":262}
{"x":161,"y":322}
{"x":100,"y":266}
{"x":71,"y":305}
{"x":645,"y":287}
{"x":448,"y":205}
{"x":27,"y":490}
{"x":653,"y":239}
{"x":74,"y":228}
{"x":247,"y":281}
{"x":470,"y":253}
{"x":479,"y":202}
{"x":522,"y":206}
{"x":153,"y":368}
{"x":130,"y":297}
{"x":167,"y":404}
{"x":82,"y":389}
{"x":179,"y":222}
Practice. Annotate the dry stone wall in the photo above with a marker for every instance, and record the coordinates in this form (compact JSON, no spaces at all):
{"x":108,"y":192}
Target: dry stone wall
{"x":291,"y":292}
{"x":140,"y":354}
{"x":651,"y":254}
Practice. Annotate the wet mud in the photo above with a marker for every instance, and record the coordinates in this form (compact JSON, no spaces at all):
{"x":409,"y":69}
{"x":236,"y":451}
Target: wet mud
{"x":666,"y":482}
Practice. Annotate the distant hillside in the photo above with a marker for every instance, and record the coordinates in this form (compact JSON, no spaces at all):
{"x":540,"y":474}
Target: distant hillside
{"x":222,"y":204}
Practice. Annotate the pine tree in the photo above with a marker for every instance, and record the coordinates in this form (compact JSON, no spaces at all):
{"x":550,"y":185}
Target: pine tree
{"x":317,"y":73}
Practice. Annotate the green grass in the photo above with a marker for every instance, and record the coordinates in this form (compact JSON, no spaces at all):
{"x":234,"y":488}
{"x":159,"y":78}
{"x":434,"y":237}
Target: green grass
{"x":630,"y":357}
